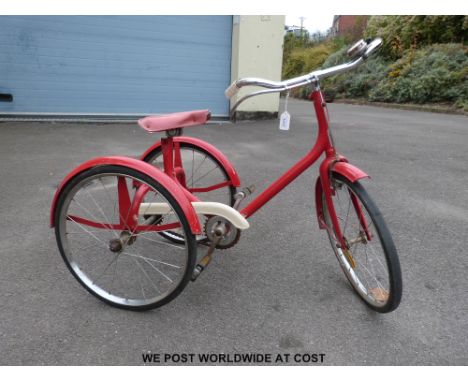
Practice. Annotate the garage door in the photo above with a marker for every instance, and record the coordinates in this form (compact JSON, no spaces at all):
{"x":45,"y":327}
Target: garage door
{"x":114,"y":65}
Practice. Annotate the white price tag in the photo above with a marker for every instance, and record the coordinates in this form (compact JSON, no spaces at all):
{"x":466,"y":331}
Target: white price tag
{"x":285,"y":118}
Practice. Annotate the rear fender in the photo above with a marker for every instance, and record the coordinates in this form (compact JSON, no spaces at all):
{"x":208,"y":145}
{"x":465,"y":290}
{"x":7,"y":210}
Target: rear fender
{"x":220,"y":157}
{"x":169,"y":184}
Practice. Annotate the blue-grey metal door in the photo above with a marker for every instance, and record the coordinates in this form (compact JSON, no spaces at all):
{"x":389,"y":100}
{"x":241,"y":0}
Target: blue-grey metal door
{"x":117,"y":65}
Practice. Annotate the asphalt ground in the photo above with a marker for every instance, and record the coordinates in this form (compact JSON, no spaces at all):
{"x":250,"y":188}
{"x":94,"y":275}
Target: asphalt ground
{"x":280,"y":290}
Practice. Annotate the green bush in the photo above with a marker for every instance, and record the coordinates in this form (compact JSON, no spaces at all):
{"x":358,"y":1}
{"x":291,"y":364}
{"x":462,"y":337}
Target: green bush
{"x":400,"y":33}
{"x":358,"y":83}
{"x":437,"y":73}
{"x":304,"y":60}
{"x":336,"y":58}
{"x":424,"y":60}
{"x":303,"y":57}
{"x":292,"y":42}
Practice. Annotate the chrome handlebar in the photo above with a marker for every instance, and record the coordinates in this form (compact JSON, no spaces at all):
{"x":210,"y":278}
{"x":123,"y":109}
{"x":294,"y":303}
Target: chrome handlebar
{"x":312,"y":77}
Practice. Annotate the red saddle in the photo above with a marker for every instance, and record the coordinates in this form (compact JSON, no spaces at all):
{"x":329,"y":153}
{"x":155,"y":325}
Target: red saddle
{"x":174,"y":121}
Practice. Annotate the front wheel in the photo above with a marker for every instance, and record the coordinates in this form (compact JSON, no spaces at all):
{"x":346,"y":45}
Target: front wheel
{"x":369,"y":258}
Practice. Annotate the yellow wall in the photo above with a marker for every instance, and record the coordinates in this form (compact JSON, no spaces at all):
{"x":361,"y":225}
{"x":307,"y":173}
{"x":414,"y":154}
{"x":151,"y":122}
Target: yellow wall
{"x":257,"y":51}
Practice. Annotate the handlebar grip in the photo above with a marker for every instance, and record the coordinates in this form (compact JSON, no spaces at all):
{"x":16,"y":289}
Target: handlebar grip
{"x":357,"y":49}
{"x":372,"y":47}
{"x":231,"y":90}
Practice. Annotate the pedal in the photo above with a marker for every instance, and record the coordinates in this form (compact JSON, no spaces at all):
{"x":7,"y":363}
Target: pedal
{"x":219,"y":232}
{"x":249,"y":190}
{"x":242,"y":194}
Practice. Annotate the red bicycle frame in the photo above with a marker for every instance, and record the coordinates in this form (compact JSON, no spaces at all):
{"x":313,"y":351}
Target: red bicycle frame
{"x":173,"y":178}
{"x":323,"y":144}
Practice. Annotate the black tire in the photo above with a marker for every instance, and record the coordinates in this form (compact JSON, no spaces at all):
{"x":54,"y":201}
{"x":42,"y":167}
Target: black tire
{"x":373,"y":297}
{"x":152,"y":155}
{"x":65,"y":200}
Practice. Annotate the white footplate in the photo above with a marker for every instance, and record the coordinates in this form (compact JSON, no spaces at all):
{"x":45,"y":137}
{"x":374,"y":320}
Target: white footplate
{"x":202,"y":208}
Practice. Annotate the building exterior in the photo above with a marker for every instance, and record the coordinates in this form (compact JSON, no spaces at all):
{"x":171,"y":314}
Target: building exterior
{"x":257,"y":51}
{"x":350,"y":26}
{"x":129,"y":66}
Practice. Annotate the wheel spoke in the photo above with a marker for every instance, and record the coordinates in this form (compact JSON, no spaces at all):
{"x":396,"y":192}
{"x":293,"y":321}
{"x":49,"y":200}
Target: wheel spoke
{"x":193,"y":173}
{"x":347,"y":214}
{"x":100,"y":209}
{"x":148,"y":259}
{"x":205,"y":175}
{"x":107,"y":267}
{"x":75,"y":252}
{"x":84,"y":229}
{"x":377,"y":258}
{"x":146,"y":275}
{"x":110,"y":199}
{"x":372,"y":276}
{"x":141,"y":236}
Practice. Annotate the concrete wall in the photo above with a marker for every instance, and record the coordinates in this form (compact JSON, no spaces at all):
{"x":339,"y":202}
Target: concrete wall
{"x":257,"y":51}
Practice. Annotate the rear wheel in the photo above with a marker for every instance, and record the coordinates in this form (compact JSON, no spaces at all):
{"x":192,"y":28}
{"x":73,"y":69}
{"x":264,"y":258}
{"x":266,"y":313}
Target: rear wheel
{"x":132,"y":268}
{"x":369,"y":259}
{"x":202,"y":172}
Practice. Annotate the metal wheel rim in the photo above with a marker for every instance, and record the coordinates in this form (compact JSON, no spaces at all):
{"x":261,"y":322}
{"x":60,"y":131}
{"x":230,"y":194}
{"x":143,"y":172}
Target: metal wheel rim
{"x":83,"y":276}
{"x":353,"y":278}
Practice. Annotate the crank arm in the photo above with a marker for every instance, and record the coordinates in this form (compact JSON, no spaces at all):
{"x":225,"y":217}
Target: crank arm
{"x":220,"y":231}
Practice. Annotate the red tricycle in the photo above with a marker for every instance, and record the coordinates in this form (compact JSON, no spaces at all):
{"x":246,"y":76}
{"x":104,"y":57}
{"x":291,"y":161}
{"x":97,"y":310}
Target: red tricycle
{"x":129,"y":230}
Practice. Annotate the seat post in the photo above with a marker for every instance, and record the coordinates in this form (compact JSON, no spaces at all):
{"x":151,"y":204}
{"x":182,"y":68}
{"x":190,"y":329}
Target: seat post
{"x":167,"y":145}
{"x":179,"y":171}
{"x":171,"y":156}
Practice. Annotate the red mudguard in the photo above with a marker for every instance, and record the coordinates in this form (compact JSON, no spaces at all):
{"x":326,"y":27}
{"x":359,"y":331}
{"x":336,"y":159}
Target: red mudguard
{"x":175,"y":189}
{"x":350,"y":172}
{"x":228,"y":167}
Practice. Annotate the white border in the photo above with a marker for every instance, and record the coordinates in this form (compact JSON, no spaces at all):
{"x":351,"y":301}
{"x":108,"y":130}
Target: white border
{"x":201,"y":7}
{"x":242,"y":373}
